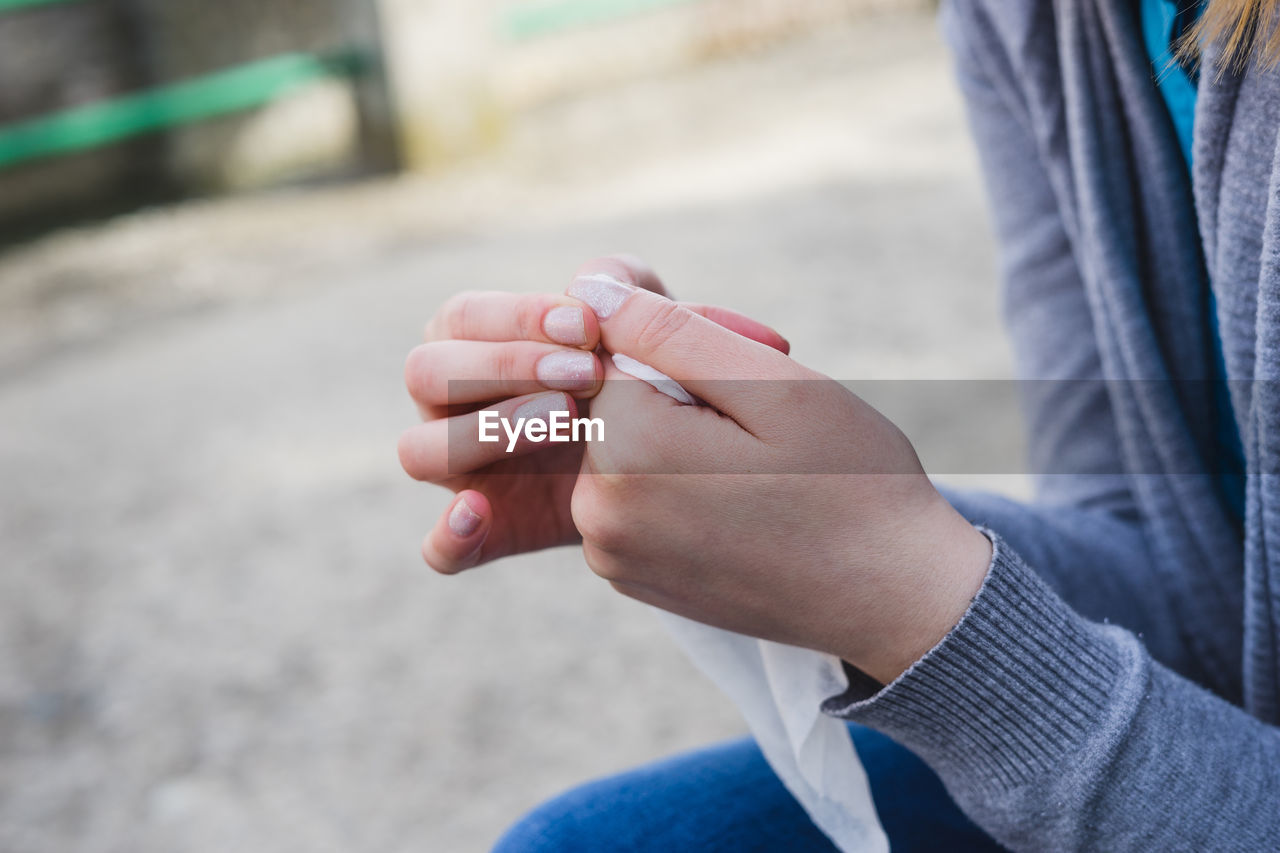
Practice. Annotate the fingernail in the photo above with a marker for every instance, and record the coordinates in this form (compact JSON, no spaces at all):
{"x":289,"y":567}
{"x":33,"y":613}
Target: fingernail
{"x":541,"y":407}
{"x":604,"y":293}
{"x":463,"y":520}
{"x":565,"y":325}
{"x":567,"y":371}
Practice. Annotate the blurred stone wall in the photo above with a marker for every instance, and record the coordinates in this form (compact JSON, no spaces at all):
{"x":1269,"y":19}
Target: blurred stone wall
{"x":318,"y":124}
{"x":61,"y":56}
{"x":53,"y":57}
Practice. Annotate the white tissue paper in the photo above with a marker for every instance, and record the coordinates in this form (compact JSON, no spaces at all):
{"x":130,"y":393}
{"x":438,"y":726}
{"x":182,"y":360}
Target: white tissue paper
{"x":779,"y":691}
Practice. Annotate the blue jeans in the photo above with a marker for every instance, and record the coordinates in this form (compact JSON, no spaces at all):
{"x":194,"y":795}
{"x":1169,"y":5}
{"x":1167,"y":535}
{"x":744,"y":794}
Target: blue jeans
{"x":726,"y":798}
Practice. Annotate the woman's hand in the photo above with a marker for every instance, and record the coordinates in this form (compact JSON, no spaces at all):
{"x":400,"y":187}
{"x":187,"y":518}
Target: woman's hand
{"x":503,"y":352}
{"x":796,"y":512}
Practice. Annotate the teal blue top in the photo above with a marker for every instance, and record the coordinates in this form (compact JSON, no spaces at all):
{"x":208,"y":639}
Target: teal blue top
{"x":1161,"y":25}
{"x":1163,"y":21}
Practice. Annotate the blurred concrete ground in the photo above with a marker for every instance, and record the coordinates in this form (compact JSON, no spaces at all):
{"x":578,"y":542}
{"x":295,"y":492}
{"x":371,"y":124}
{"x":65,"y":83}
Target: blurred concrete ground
{"x":215,"y":629}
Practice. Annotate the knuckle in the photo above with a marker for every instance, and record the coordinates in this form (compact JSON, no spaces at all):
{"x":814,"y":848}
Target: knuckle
{"x":529,"y":318}
{"x":795,"y":396}
{"x":412,"y":458}
{"x":458,"y":312}
{"x":618,"y":463}
{"x":603,"y":565}
{"x":607,"y":569}
{"x":507,"y":363}
{"x":617,"y":488}
{"x":422,"y":374}
{"x":661,"y":327}
{"x":587,"y":518}
{"x":598,"y":522}
{"x":627,"y":589}
{"x":413,"y":367}
{"x":404,"y":451}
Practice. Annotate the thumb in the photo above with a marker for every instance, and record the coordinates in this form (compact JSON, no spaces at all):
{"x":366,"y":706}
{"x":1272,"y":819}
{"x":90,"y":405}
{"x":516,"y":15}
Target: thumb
{"x":455,"y":543}
{"x":692,"y":349}
{"x":628,"y":269}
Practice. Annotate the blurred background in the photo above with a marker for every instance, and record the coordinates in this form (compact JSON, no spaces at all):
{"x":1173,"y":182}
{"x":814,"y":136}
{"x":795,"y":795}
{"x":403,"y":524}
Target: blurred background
{"x":223,"y":226}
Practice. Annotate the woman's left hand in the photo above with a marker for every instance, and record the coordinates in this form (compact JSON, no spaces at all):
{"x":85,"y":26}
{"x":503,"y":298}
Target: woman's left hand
{"x":786,"y":509}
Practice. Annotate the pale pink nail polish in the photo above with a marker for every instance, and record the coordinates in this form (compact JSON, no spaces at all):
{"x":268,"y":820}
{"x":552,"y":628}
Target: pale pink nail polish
{"x":540,"y":408}
{"x":603,"y":293}
{"x":567,"y":371}
{"x":565,"y":325}
{"x":463,"y":520}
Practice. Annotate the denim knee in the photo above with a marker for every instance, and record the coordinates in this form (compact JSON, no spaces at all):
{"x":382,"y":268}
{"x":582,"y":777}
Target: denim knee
{"x":564,"y":824}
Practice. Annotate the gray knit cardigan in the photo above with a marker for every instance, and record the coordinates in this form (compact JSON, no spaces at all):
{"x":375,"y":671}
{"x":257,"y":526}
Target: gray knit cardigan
{"x":1115,"y":684}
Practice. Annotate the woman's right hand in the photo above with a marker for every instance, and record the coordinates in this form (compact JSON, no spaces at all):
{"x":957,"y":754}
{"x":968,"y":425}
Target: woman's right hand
{"x":500,"y":352}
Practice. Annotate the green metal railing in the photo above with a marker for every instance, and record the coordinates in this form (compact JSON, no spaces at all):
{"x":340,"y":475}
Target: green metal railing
{"x":223,"y":92}
{"x":253,"y":85}
{"x":209,"y":96}
{"x":14,"y":5}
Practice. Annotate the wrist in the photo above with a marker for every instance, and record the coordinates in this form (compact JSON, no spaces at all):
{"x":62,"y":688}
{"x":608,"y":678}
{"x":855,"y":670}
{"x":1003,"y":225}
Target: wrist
{"x":943,"y":568}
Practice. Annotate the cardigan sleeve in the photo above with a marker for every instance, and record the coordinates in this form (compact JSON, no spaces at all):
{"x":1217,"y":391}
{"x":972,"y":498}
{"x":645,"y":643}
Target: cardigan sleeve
{"x":1053,"y":732}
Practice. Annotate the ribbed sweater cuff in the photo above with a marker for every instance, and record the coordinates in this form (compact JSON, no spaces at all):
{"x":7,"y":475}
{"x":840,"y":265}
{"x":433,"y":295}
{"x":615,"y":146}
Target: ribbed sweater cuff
{"x":1011,"y":692}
